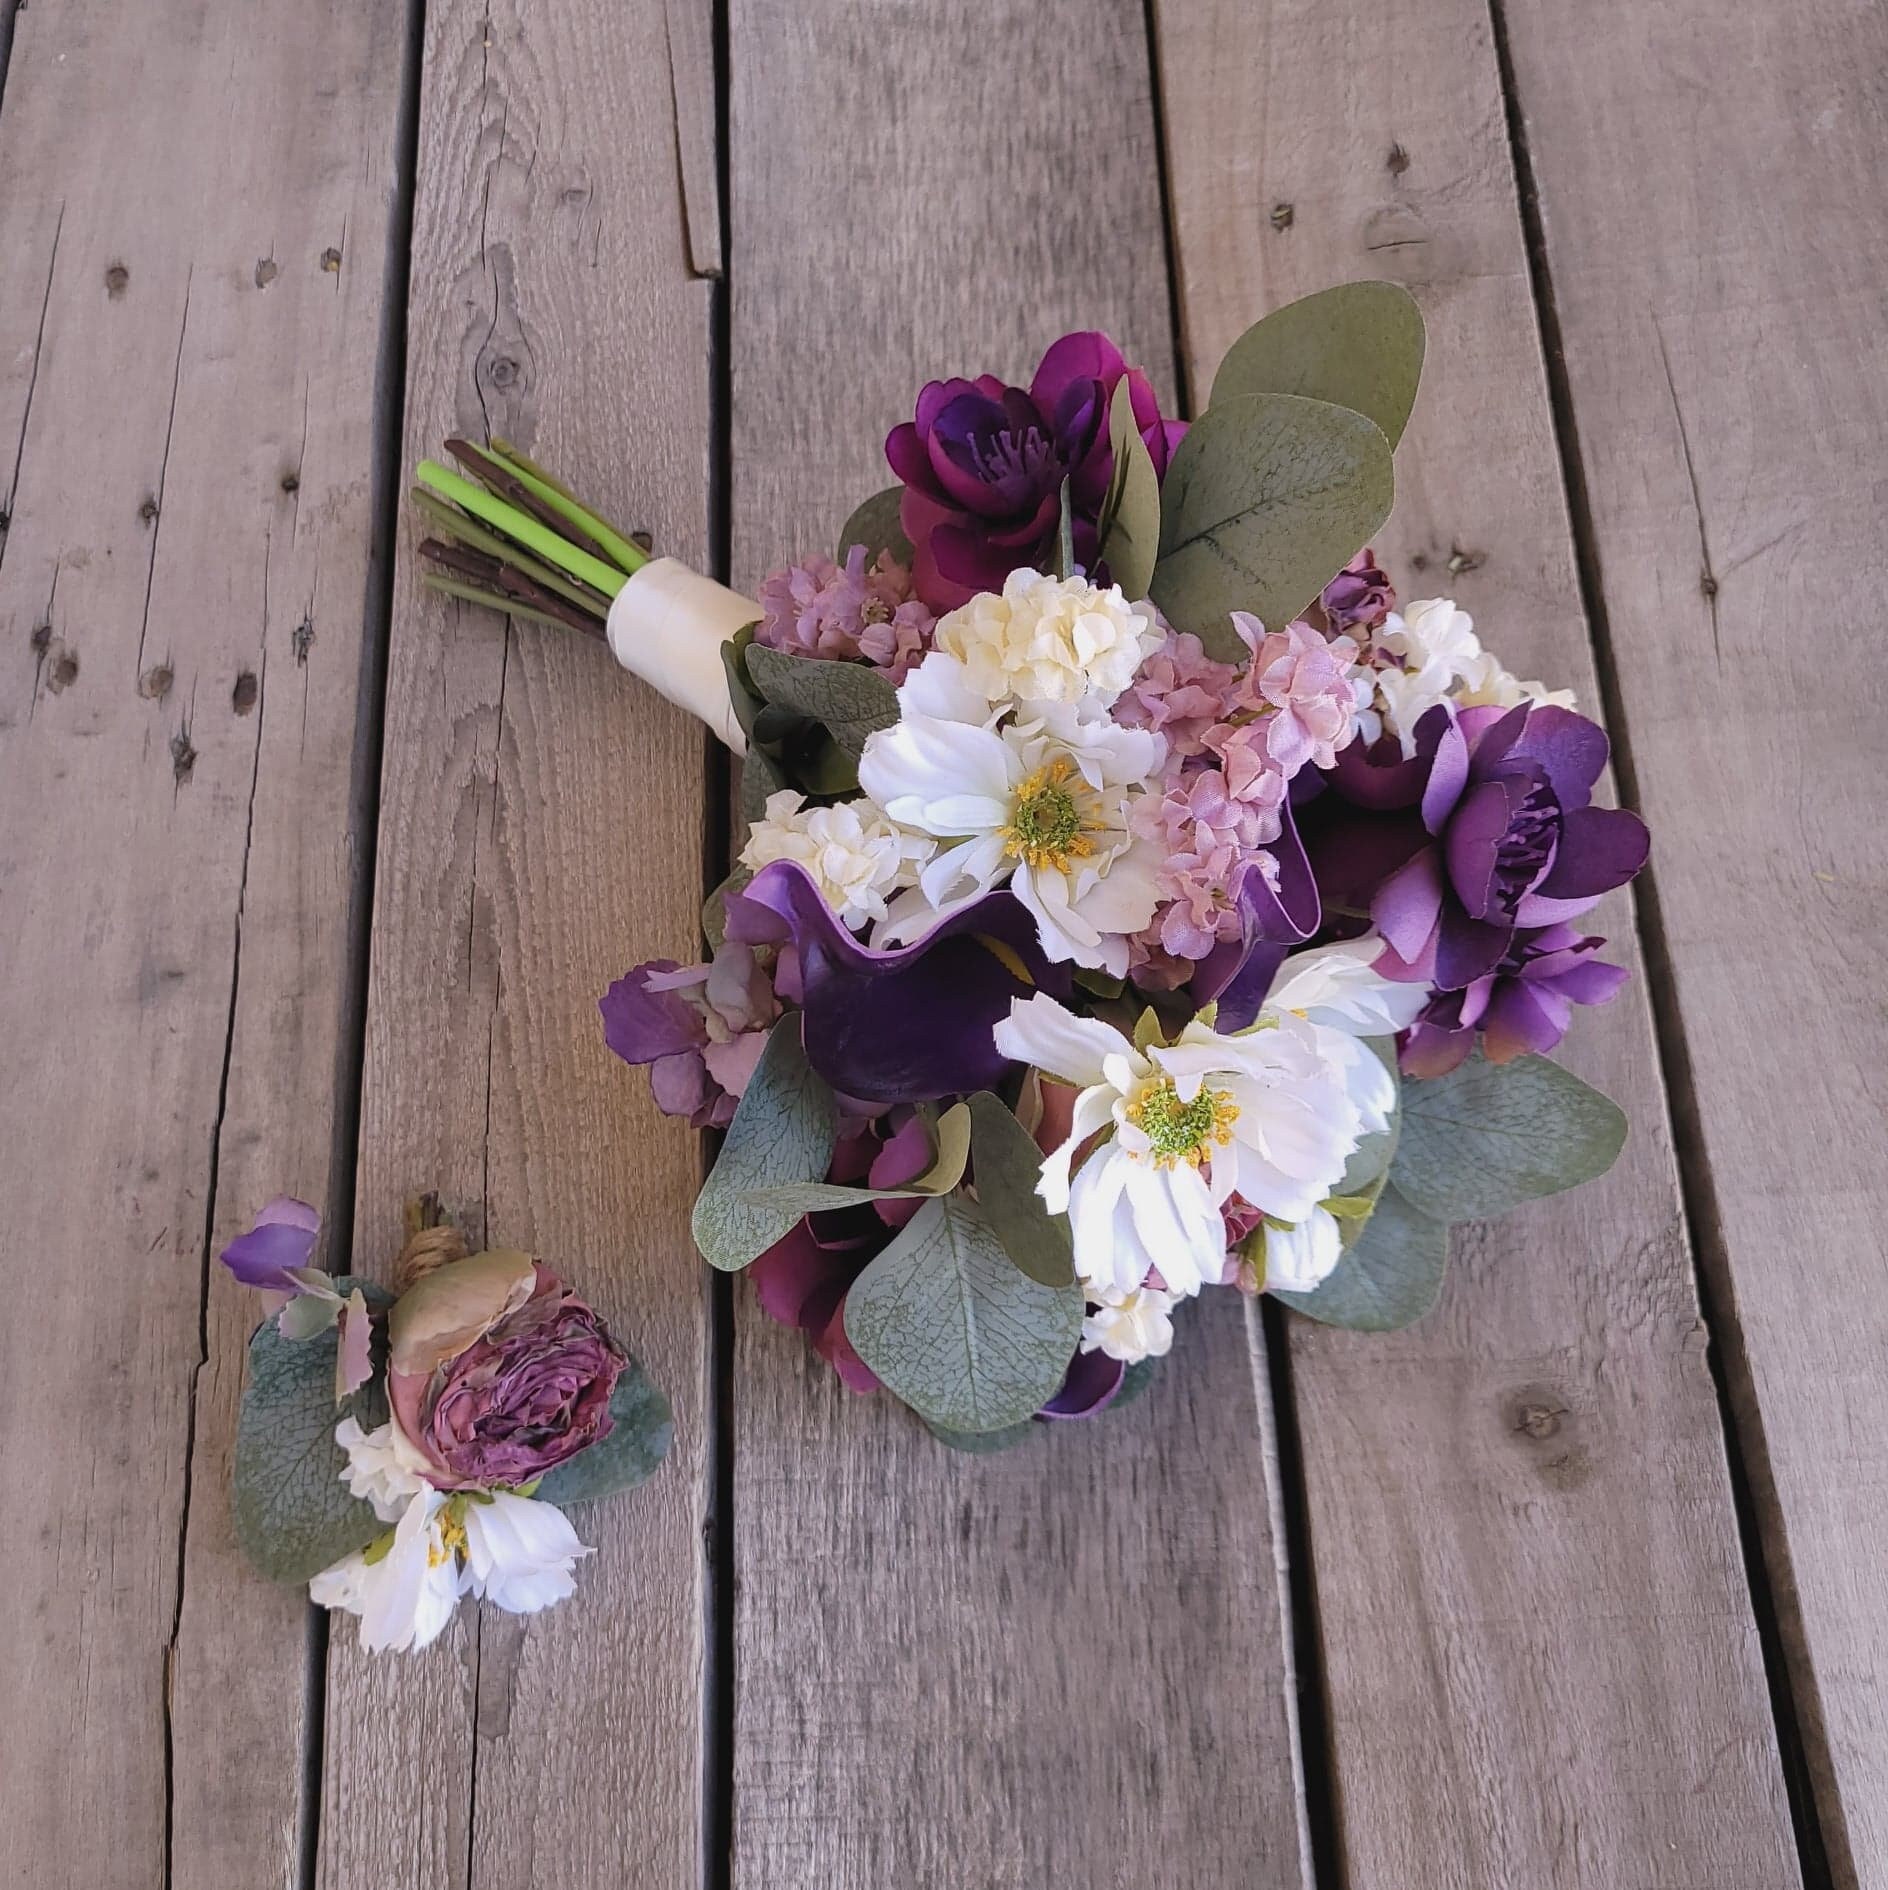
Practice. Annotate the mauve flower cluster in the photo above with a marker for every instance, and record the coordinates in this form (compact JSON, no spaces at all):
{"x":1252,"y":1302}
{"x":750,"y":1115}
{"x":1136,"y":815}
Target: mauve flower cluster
{"x":1236,"y":739}
{"x":983,"y":463}
{"x":527,"y":1394}
{"x":700,"y":1028}
{"x":847,"y":612}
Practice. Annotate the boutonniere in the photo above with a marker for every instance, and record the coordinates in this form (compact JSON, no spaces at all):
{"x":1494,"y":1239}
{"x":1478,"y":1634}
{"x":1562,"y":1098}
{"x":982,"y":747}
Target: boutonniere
{"x":401,"y":1448}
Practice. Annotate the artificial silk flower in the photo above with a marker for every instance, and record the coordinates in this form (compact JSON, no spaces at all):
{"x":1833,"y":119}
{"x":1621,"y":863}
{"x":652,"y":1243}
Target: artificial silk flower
{"x":1131,"y":1326}
{"x":1045,"y":639}
{"x":1266,"y":1113}
{"x":1485,"y":684}
{"x":384,"y":1467}
{"x":1431,"y":634}
{"x":520,"y":1554}
{"x":405,"y":1592}
{"x":1045,"y":803}
{"x":1301,"y":1257}
{"x":855,"y":856}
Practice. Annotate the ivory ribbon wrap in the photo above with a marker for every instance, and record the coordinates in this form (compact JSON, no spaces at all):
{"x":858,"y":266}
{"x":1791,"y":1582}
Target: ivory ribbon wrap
{"x":667,"y":626}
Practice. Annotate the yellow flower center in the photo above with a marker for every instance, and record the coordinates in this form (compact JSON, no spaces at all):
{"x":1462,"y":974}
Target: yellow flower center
{"x":1182,"y":1131}
{"x":1047,"y":821}
{"x":451,"y":1540}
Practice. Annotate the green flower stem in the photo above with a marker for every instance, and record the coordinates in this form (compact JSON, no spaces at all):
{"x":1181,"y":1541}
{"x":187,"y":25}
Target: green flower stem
{"x":454,"y":524}
{"x":524,"y":531}
{"x":625,"y":551}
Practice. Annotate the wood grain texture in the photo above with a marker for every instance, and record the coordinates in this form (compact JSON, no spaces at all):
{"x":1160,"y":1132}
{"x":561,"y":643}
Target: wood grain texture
{"x":1540,"y":1653}
{"x":1064,"y":1665}
{"x":186,"y":444}
{"x":541,"y":825}
{"x":1720,"y":305}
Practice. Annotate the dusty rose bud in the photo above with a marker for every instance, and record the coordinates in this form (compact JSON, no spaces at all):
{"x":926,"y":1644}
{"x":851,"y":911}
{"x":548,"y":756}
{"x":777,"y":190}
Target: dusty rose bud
{"x":526,"y":1392}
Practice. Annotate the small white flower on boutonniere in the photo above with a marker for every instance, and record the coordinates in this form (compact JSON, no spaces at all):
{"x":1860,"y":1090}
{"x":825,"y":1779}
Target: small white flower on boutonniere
{"x":484,"y":1394}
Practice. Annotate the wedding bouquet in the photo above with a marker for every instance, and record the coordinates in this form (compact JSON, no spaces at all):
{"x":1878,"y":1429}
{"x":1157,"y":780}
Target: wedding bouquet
{"x":398,"y":1450}
{"x":1134,"y":900}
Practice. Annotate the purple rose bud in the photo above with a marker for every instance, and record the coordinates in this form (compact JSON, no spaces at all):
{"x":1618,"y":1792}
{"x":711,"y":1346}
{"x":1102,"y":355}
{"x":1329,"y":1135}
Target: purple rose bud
{"x":526,"y":1394}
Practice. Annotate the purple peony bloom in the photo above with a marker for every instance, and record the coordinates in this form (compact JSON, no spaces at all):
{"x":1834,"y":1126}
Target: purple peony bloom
{"x":1487,"y":830}
{"x":910,"y":1025}
{"x":982,"y":465}
{"x":1525,"y":1004}
{"x":529,"y":1392}
{"x":699,"y":1028}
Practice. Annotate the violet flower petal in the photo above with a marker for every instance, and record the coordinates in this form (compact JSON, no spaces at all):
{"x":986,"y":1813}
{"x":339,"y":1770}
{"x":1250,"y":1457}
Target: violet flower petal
{"x":1448,"y":773}
{"x":1600,"y":848}
{"x":1091,"y":1384}
{"x":282,"y":1238}
{"x":1409,"y":903}
{"x":910,"y":1025}
{"x":1571,"y":748}
{"x":1467,"y":948}
{"x":641,"y":1025}
{"x":1238,"y":973}
{"x":1524,"y":1018}
{"x":1472,"y":844}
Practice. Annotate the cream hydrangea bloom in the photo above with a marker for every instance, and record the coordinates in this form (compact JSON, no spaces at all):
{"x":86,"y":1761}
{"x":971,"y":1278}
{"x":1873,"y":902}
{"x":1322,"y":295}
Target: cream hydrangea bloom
{"x":1131,"y":1326}
{"x":1045,"y":639}
{"x":855,"y":856}
{"x":1485,"y":684}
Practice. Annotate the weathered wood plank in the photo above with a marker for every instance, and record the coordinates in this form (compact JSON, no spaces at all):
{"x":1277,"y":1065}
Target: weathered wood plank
{"x":1541,"y":1659}
{"x":1065,"y":1665}
{"x":541,"y":824}
{"x":186,"y":448}
{"x":1710,"y":195}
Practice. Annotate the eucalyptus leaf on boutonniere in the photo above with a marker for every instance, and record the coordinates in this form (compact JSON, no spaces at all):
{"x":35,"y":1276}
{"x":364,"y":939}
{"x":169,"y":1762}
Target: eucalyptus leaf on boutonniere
{"x":398,"y":1450}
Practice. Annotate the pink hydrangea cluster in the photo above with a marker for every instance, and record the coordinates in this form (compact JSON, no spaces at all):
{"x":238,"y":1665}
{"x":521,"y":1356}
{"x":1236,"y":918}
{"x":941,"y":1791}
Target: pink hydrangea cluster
{"x":1235,"y":740}
{"x":849,"y":612}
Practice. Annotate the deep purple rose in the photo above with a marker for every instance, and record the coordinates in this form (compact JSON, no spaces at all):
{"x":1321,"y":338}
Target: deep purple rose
{"x":982,"y":465}
{"x":530,"y":1391}
{"x":1525,"y":1004}
{"x":1490,"y":828}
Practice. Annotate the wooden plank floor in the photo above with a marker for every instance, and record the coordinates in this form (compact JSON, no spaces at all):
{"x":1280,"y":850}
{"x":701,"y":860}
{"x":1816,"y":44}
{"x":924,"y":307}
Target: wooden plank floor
{"x":309,"y":882}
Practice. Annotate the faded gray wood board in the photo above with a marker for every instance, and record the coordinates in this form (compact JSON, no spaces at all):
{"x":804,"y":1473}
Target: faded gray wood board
{"x":540,"y":830}
{"x":1539,"y":1649}
{"x":1064,"y":1665}
{"x":186,"y":448}
{"x":1720,"y":298}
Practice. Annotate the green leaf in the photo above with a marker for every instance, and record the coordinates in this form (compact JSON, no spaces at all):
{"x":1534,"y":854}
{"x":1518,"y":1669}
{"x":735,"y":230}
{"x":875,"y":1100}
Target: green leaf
{"x":952,"y":1155}
{"x":1359,"y":345}
{"x":782,"y":1132}
{"x":1489,"y":1136}
{"x":848,"y":700}
{"x":1390,"y":1278}
{"x":1135,"y":1383}
{"x":760,"y":777}
{"x":875,"y":525}
{"x":747,"y":704}
{"x":1369,"y":1167}
{"x":1266,"y":499}
{"x":1008,"y":1166}
{"x":294,"y":1515}
{"x":954,"y":1329}
{"x":641,"y":1429}
{"x":1130,"y":520}
{"x":984,"y":1443}
{"x":1063,"y":562}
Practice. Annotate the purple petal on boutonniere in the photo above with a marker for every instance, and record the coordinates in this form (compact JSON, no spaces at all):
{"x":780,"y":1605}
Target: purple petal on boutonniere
{"x":909,"y":1025}
{"x":272,"y":1257}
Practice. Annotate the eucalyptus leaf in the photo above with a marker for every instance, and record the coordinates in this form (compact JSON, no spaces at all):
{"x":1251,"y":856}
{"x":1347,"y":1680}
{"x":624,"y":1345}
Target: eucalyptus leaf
{"x":783,"y":1131}
{"x":1371,"y":1162}
{"x":957,"y":1331}
{"x":1359,"y":344}
{"x":875,"y":525}
{"x":952,"y":1155}
{"x":642,"y":1427}
{"x":747,"y":704}
{"x":760,"y":777}
{"x":985,"y":1443}
{"x":848,"y":700}
{"x":1130,"y":534}
{"x":1135,"y":1383}
{"x":1487,"y":1137}
{"x":1064,"y":560}
{"x":294,"y":1516}
{"x":1266,"y":499}
{"x":1390,"y":1278}
{"x":1008,"y":1166}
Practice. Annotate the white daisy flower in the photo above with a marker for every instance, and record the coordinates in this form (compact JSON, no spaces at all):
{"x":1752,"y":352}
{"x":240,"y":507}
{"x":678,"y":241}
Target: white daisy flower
{"x":1267,"y":1113}
{"x":1044,"y":801}
{"x":520,"y":1553}
{"x":404,"y":1594}
{"x":1299,"y":1258}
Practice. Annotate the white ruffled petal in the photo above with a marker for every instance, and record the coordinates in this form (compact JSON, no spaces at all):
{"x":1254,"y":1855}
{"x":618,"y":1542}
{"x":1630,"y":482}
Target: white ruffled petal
{"x":520,"y":1553}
